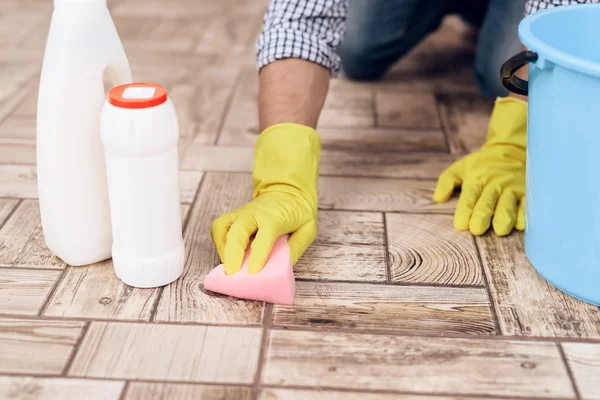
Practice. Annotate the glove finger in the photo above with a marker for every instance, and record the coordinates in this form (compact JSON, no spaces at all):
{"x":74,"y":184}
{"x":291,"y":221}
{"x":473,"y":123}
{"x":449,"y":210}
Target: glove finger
{"x":483,"y":211}
{"x":301,"y":239}
{"x":261,"y":249}
{"x":520,"y":225}
{"x":236,"y":243}
{"x":448,"y":180}
{"x":218,"y":232}
{"x":505,"y":214}
{"x":464,"y":208}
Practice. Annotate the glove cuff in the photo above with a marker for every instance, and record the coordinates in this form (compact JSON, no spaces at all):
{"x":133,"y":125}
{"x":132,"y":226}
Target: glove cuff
{"x":286,"y":158}
{"x":508,"y":123}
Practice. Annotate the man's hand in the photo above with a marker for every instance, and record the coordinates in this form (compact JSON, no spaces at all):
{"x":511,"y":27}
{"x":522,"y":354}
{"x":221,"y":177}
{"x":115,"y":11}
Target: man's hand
{"x":492,"y":179}
{"x":284,"y":200}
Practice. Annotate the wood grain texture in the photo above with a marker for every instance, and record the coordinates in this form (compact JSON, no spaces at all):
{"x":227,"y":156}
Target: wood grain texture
{"x":15,"y":77}
{"x":299,"y":394}
{"x":348,"y":108}
{"x":24,"y":291}
{"x":188,"y":185}
{"x":185,"y":299}
{"x":17,"y":151}
{"x":94,"y":291}
{"x":6,"y":208}
{"x":357,"y":163}
{"x":406,"y":110}
{"x":179,"y":9}
{"x":349,"y":246}
{"x":28,"y":388}
{"x":525,"y":303}
{"x":18,"y":127}
{"x":18,"y":181}
{"x":157,"y":34}
{"x":16,"y":232}
{"x":387,"y":195}
{"x":151,"y":352}
{"x":427,"y":249}
{"x":418,"y":309}
{"x":584,"y":362}
{"x":36,"y":254}
{"x":418,"y":365}
{"x":465,"y":118}
{"x":36,"y":346}
{"x":161,"y":391}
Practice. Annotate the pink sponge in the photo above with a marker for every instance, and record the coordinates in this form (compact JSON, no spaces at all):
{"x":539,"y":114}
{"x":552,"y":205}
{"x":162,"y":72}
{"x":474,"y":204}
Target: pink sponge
{"x":274,"y":283}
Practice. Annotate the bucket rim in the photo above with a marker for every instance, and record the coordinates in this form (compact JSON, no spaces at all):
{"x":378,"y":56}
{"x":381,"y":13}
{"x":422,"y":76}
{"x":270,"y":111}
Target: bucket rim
{"x":549,"y":53}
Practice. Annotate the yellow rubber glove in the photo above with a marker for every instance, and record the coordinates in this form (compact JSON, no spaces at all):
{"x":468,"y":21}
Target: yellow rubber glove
{"x":492,"y":178}
{"x":284,"y":199}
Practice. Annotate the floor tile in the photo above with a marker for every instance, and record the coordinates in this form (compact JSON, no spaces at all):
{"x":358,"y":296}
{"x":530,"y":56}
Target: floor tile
{"x":465,"y":117}
{"x":95,"y":291}
{"x":355,"y":163}
{"x":36,"y":254}
{"x":523,"y":298}
{"x":18,"y":181}
{"x":36,"y":346}
{"x":188,"y":185}
{"x":349,"y":246}
{"x":156,"y":33}
{"x":415,"y":309}
{"x":163,"y":391}
{"x":28,"y":388}
{"x":406,"y":110}
{"x":163,"y":352}
{"x":419,"y":365}
{"x":299,"y":394}
{"x":584,"y":362}
{"x":17,"y":230}
{"x":427,"y":249}
{"x":18,"y":127}
{"x":185,"y":299}
{"x":24,"y":291}
{"x":15,"y":79}
{"x":413,"y":196}
{"x":348,"y":108}
{"x":17,"y":151}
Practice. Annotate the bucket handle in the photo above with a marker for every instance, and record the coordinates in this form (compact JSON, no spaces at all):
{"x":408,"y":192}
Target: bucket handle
{"x":507,"y":73}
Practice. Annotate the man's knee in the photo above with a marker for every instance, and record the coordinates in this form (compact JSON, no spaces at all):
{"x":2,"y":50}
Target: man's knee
{"x":359,"y":60}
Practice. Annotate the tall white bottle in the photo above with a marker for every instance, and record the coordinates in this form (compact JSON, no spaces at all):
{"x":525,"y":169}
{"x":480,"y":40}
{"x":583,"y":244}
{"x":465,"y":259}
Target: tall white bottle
{"x":73,"y":194}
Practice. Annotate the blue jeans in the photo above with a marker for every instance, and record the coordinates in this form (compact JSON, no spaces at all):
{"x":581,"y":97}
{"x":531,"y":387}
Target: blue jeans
{"x":380,"y":32}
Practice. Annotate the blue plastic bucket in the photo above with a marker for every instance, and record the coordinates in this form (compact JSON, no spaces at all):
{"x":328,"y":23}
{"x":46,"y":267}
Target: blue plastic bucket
{"x":562,"y":215}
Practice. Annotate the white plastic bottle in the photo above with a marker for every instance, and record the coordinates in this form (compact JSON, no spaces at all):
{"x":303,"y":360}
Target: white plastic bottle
{"x":82,"y":43}
{"x":140,"y":132}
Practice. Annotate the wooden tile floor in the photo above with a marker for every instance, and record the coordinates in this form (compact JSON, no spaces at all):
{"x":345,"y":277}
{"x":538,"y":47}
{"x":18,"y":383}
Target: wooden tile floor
{"x":391,"y":301}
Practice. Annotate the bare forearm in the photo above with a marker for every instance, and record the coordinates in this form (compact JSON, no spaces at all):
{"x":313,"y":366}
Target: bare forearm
{"x":292,"y":90}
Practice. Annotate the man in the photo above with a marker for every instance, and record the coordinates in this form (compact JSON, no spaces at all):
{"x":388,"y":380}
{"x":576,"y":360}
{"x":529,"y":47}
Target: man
{"x":297,"y":54}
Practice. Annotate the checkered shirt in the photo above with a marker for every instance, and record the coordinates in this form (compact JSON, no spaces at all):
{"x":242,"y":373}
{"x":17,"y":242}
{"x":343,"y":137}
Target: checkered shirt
{"x":312,"y":29}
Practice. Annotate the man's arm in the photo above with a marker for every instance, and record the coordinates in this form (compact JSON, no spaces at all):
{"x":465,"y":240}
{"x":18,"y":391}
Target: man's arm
{"x":292,"y":90}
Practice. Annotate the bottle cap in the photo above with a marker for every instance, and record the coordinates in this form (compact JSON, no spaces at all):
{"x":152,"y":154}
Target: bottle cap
{"x":137,"y":95}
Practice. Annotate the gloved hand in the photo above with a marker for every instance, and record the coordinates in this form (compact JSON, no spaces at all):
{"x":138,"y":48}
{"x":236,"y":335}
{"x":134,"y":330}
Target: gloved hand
{"x":492,"y":178}
{"x":284,"y":199}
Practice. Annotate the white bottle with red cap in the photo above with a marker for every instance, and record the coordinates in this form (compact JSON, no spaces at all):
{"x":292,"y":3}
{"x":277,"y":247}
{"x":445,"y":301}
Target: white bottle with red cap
{"x":82,"y":43}
{"x":139,"y":130}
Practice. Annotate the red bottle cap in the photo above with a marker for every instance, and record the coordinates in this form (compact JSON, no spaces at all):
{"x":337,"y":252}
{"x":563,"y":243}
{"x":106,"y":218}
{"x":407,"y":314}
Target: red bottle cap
{"x":137,"y":95}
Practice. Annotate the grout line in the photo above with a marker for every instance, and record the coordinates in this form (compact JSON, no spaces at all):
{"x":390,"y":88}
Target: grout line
{"x":11,"y":213}
{"x":565,"y":361}
{"x":492,"y":302}
{"x":20,"y":268}
{"x":128,"y":380}
{"x":52,"y":291}
{"x":326,"y":175}
{"x":161,"y":290}
{"x":386,"y":249}
{"x":264,"y":345}
{"x":123,"y":395}
{"x":403,"y":392}
{"x":229,"y":103}
{"x":75,"y":349}
{"x":384,"y":283}
{"x":58,"y":282}
{"x":440,"y":113}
